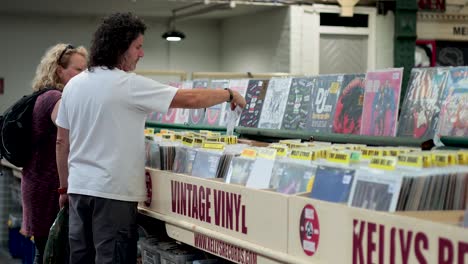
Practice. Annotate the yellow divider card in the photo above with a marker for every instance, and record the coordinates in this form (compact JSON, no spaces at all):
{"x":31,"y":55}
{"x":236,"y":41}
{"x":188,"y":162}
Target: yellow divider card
{"x":383,"y":163}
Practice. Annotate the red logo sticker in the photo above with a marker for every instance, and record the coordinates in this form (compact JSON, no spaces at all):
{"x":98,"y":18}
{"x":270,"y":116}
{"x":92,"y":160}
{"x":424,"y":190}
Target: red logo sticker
{"x":149,"y":189}
{"x":309,"y":230}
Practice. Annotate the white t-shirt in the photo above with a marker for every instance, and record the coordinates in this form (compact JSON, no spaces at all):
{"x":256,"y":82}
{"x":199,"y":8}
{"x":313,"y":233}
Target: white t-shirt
{"x":105,"y":112}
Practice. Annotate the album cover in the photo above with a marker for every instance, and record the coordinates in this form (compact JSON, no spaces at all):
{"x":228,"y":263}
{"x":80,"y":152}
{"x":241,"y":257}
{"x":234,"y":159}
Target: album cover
{"x":152,"y":155}
{"x":206,"y":163}
{"x":381,"y":101}
{"x":348,"y":113}
{"x":454,"y":111}
{"x":292,"y":177}
{"x":275,"y":103}
{"x":325,"y":92}
{"x":239,"y":86}
{"x":332,"y":184}
{"x":167,"y":153}
{"x":183,"y":160}
{"x":421,"y":105}
{"x":239,"y":170}
{"x":213,"y":113}
{"x":298,"y":104}
{"x":375,"y":190}
{"x":260,"y":175}
{"x":254,"y":97}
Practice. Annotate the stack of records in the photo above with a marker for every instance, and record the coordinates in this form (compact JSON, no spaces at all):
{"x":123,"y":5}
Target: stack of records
{"x":433,"y":190}
{"x":239,"y":170}
{"x":206,"y":163}
{"x":230,"y":152}
{"x":183,"y":160}
{"x":167,"y":151}
{"x":152,"y":155}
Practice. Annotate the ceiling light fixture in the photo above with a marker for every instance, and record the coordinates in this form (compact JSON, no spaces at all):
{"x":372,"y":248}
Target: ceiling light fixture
{"x":206,"y":6}
{"x":173,"y":34}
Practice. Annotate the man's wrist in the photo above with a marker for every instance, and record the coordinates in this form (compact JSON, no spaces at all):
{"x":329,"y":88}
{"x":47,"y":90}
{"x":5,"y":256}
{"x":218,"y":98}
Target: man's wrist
{"x":62,"y":190}
{"x":231,"y":95}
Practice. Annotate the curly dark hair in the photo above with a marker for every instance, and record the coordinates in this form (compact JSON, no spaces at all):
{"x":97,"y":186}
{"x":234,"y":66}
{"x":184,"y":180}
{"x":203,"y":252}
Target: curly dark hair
{"x":112,"y":39}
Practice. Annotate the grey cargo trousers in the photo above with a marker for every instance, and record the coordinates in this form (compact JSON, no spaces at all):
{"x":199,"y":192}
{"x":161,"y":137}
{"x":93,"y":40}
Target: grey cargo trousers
{"x":102,"y":231}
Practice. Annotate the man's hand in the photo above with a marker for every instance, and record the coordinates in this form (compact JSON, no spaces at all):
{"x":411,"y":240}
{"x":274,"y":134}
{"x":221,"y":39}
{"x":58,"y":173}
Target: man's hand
{"x":63,"y":200}
{"x":237,"y":100}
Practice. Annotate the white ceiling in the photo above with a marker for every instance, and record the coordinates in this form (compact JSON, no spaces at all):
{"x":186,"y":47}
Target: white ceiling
{"x":144,"y":8}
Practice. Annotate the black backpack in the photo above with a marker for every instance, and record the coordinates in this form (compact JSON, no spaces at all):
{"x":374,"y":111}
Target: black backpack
{"x":15,"y":130}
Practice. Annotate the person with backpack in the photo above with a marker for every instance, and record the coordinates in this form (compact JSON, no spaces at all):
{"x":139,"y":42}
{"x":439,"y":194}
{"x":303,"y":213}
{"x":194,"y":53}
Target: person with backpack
{"x":100,"y":142}
{"x":40,"y":179}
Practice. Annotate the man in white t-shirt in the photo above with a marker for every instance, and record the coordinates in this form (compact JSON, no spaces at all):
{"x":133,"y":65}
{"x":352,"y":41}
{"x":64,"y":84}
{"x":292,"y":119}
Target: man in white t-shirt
{"x":100,"y":154}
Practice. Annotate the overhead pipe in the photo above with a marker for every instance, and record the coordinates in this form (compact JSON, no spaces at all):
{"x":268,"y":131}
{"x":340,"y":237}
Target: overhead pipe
{"x":202,"y":10}
{"x":347,"y":7}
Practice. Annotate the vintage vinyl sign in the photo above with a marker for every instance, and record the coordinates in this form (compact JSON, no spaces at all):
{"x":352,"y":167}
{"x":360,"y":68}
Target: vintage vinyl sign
{"x":226,"y":208}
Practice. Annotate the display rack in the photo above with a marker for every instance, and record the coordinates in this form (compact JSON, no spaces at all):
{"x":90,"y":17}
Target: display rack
{"x":262,"y":226}
{"x":177,"y":127}
{"x":274,"y":134}
{"x":455,"y":142}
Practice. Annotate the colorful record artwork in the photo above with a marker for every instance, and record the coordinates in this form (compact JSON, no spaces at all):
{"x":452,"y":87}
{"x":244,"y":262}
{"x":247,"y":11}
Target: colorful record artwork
{"x":298,"y":104}
{"x":454,"y":112}
{"x":348,"y":113}
{"x":254,"y":97}
{"x":325,"y":91}
{"x":421,"y":107}
{"x":275,"y":103}
{"x":239,"y":86}
{"x":381,"y":101}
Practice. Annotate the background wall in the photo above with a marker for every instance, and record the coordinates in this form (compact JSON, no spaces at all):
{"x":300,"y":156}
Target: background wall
{"x":25,"y":40}
{"x":385,"y":32}
{"x":256,"y":43}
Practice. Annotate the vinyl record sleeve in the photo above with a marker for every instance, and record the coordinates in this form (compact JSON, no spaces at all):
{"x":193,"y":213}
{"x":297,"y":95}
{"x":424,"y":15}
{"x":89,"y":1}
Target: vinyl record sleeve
{"x":422,"y":103}
{"x":325,"y":92}
{"x":298,"y":104}
{"x":254,"y":97}
{"x":275,"y":103}
{"x":381,"y":101}
{"x":348,"y":113}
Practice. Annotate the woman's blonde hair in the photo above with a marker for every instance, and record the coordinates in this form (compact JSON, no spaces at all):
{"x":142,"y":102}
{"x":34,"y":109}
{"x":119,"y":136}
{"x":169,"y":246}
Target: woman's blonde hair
{"x":46,"y":72}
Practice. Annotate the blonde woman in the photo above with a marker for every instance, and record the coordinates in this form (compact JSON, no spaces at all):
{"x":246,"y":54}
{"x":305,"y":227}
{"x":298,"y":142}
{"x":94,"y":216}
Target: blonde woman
{"x":40,"y":177}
